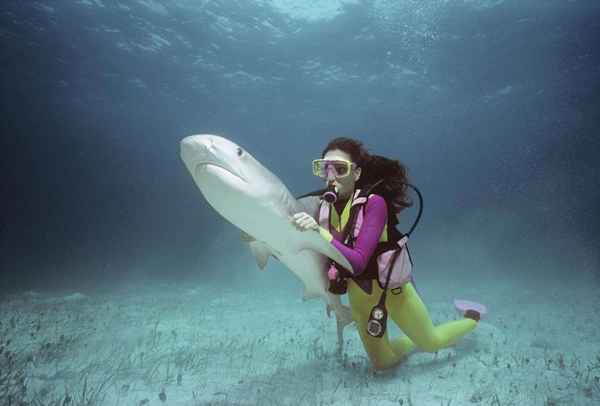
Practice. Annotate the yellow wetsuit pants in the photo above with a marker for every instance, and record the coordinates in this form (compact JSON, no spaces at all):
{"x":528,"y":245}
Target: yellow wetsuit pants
{"x":407,"y":310}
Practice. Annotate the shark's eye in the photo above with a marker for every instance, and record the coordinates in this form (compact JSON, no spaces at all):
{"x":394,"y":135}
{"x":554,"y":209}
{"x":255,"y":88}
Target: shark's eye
{"x":240,"y":151}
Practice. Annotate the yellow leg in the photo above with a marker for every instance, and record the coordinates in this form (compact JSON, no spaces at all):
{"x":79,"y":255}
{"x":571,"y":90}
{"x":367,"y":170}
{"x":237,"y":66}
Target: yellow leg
{"x":410,"y":314}
{"x":380,"y":351}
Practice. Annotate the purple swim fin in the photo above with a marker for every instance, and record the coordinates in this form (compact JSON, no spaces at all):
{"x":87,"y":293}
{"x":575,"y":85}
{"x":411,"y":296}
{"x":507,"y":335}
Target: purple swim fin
{"x":463,"y":305}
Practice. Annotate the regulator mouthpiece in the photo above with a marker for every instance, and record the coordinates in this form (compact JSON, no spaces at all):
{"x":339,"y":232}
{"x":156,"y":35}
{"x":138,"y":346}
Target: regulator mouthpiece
{"x":330,"y":196}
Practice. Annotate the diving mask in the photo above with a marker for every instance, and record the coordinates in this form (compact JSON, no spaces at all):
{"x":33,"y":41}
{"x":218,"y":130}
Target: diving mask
{"x":337,"y":168}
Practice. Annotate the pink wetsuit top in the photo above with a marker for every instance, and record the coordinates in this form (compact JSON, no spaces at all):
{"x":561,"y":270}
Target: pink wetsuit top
{"x":374,"y":220}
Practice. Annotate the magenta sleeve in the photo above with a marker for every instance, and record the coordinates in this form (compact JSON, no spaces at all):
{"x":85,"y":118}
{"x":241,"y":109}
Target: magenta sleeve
{"x":374,"y":220}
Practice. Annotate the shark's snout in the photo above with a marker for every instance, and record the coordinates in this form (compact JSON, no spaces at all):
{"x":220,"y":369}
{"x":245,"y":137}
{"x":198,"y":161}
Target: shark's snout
{"x":195,"y":149}
{"x":211,"y":151}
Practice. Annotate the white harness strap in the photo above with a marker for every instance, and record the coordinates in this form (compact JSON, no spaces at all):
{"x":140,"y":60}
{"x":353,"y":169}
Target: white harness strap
{"x":360,"y":216}
{"x":324,"y":215}
{"x":325,"y":211}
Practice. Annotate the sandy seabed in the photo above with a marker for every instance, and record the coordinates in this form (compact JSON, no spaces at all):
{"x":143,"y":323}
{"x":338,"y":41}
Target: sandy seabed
{"x":209,"y":344}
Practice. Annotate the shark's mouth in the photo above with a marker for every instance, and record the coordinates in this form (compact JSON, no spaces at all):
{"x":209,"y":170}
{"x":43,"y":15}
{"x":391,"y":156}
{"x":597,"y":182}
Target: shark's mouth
{"x":216,"y":169}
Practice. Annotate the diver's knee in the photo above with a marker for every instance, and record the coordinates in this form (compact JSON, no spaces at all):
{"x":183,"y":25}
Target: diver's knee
{"x":381,"y":365}
{"x":376,"y":362}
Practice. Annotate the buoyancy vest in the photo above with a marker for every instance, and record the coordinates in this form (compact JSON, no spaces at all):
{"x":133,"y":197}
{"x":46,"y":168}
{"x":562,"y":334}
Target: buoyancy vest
{"x":391,"y":250}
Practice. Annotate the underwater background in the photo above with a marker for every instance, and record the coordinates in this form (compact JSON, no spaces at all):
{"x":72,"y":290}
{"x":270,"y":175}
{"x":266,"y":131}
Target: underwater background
{"x":117,"y":275}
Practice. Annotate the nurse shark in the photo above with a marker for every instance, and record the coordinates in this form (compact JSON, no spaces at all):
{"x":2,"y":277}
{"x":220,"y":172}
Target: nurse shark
{"x":254,"y":200}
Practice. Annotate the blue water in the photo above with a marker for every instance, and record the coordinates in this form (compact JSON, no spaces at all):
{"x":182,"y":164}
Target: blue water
{"x":492,"y":106}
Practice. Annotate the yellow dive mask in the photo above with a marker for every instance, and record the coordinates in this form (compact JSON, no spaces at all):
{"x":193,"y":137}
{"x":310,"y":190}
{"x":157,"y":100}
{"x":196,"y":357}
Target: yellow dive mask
{"x":337,"y":167}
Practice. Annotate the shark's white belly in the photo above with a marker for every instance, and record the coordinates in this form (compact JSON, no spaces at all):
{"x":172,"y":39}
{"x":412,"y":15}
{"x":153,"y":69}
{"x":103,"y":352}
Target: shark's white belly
{"x":271,"y":225}
{"x":310,"y":268}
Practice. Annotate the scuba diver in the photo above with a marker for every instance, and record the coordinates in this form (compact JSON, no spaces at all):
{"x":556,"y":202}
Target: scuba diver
{"x":358,"y":209}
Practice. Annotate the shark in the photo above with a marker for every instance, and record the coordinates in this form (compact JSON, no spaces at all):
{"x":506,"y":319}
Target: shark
{"x":257,"y":202}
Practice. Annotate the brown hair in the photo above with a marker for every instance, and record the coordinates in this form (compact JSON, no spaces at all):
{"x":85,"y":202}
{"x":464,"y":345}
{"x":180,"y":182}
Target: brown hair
{"x":375,"y":168}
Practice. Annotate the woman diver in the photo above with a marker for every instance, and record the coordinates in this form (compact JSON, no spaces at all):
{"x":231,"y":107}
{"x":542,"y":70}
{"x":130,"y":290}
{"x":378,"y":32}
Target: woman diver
{"x":347,"y":167}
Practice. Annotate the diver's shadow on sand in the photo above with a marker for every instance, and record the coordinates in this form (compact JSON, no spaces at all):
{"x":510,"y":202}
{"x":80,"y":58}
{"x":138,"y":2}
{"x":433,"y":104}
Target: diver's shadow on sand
{"x":313,"y":380}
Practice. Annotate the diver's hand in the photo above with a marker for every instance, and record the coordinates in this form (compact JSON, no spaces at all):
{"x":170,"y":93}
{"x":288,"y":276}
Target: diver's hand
{"x":304,"y":221}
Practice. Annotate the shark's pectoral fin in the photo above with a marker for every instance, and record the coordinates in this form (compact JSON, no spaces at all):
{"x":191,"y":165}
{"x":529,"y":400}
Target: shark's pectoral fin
{"x":261,"y":252}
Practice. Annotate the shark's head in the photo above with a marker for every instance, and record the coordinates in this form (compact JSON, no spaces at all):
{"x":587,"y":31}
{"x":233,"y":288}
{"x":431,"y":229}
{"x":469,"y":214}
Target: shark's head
{"x":215,"y":155}
{"x":227,"y":175}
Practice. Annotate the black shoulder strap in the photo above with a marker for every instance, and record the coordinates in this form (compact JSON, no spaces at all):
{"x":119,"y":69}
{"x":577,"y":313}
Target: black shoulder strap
{"x":313,"y":193}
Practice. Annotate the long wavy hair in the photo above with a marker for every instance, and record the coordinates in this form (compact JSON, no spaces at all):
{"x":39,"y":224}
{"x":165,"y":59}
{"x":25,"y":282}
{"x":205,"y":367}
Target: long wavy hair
{"x":374,"y":168}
